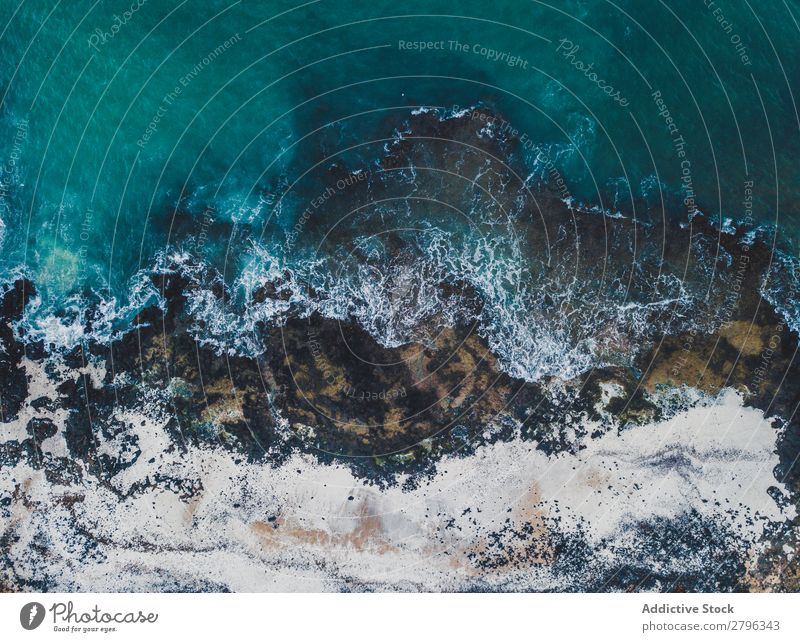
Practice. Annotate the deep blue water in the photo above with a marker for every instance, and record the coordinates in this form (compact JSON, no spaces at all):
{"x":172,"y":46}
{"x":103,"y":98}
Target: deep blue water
{"x":202,"y":131}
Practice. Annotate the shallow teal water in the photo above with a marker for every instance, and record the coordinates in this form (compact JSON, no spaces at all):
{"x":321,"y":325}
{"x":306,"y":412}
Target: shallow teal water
{"x":111,"y":126}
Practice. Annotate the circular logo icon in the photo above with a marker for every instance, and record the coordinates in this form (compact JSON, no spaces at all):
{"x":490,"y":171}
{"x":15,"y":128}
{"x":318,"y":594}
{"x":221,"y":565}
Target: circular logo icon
{"x":31,"y":615}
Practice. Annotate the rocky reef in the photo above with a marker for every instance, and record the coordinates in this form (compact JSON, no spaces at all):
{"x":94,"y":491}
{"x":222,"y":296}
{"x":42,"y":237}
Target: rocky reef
{"x":650,"y":316}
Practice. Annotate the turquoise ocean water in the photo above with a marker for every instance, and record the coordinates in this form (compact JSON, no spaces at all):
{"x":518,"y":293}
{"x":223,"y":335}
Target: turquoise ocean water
{"x":135,"y":129}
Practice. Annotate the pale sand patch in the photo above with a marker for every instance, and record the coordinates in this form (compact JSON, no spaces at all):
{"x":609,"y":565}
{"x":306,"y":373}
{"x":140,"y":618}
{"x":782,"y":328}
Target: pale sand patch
{"x":718,"y":450}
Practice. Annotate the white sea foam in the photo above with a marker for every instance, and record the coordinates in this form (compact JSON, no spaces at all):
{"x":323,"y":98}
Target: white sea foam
{"x":399,"y":298}
{"x":781,"y":287}
{"x":67,"y":328}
